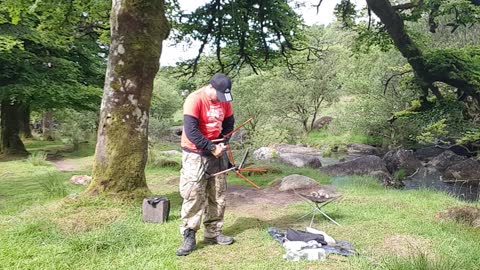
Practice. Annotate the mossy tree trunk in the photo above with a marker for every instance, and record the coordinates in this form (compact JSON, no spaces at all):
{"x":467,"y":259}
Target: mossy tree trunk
{"x":138,"y":28}
{"x":10,"y":129}
{"x":47,"y":126}
{"x":458,"y":68}
{"x":25,"y":129}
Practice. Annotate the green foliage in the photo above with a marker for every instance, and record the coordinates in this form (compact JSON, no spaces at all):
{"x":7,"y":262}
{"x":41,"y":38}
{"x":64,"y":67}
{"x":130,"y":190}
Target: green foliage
{"x":471,"y":135}
{"x":466,"y":62}
{"x":433,"y":133}
{"x":77,"y":127}
{"x":166,"y":101}
{"x":268,"y":135}
{"x":444,"y":118}
{"x":400,"y":174}
{"x":49,"y":59}
{"x":252,"y":33}
{"x":369,"y":37}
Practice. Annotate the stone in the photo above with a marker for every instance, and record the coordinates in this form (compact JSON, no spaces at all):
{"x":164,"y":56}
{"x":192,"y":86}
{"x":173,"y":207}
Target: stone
{"x":80,"y":179}
{"x":297,"y":149}
{"x":297,"y":182}
{"x":265,"y":153}
{"x":402,"y":159}
{"x":366,"y":165}
{"x":468,"y":169}
{"x":362,"y":149}
{"x":428,"y":152}
{"x":300,"y":160}
{"x":445,"y":160}
{"x":322,"y":122}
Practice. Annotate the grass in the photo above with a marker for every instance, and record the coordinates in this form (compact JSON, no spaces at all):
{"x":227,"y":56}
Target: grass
{"x":38,"y":159}
{"x":391,"y":229}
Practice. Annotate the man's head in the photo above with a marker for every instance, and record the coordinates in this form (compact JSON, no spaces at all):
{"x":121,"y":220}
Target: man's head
{"x":220,"y":88}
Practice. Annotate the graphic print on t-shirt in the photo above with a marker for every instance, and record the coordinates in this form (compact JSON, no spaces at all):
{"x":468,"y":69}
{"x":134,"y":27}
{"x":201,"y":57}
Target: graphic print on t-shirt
{"x":215,"y":117}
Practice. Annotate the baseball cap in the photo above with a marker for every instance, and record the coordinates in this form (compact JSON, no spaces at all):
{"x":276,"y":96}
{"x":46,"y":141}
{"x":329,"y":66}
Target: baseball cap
{"x":223,"y":84}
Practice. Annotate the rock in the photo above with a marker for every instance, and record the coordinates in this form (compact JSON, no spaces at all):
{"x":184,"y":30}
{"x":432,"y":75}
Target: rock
{"x":239,"y":136}
{"x":297,"y":182}
{"x":165,"y":162}
{"x":322,"y":122}
{"x":366,"y":165}
{"x":177,"y":130}
{"x":402,"y":159}
{"x":80,"y":179}
{"x":300,"y":160}
{"x":445,"y":160}
{"x":362,"y":149}
{"x":428,"y":152}
{"x":265,"y":153}
{"x":468,"y":169}
{"x":297,"y":149}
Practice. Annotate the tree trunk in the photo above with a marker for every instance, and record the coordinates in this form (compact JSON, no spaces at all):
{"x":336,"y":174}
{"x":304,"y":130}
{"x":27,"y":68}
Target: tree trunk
{"x":138,"y":28}
{"x":456,"y":68}
{"x":396,"y":30}
{"x":47,"y":126}
{"x":10,"y":129}
{"x":25,"y":130}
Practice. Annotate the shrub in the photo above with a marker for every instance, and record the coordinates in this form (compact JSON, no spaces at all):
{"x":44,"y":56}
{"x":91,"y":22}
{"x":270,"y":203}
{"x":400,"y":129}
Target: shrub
{"x":38,"y":159}
{"x":54,"y":186}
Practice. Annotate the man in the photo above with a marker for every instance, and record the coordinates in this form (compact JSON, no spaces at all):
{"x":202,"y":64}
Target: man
{"x":207,"y":115}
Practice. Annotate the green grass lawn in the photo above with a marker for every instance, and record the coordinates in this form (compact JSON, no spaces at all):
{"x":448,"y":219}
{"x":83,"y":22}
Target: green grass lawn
{"x":40,"y":228}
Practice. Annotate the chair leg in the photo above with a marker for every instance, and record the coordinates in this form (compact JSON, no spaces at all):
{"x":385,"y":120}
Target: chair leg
{"x":325,"y":215}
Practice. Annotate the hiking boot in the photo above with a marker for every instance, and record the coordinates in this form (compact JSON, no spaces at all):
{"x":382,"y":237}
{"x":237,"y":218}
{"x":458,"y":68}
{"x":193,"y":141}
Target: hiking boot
{"x":189,"y":243}
{"x":219,"y":239}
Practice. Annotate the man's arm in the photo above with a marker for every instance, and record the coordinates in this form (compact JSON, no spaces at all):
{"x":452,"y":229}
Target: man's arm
{"x":190,"y":125}
{"x":227,"y":125}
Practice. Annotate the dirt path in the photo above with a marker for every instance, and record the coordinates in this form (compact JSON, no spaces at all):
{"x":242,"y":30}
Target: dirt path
{"x":66,"y":165}
{"x":71,"y":165}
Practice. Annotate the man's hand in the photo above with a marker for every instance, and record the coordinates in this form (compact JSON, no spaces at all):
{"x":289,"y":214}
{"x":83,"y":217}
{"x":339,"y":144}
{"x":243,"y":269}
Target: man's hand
{"x":219,"y":150}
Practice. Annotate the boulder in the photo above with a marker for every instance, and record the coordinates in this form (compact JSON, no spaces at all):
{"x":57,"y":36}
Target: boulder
{"x":297,"y":149}
{"x":177,"y":130}
{"x":366,"y":165}
{"x":80,"y":179}
{"x":402,"y":159}
{"x":429,"y":152}
{"x":445,"y":160}
{"x":297,"y":182}
{"x":300,"y":160}
{"x":239,"y":136}
{"x":322,"y":122}
{"x":362,"y":149}
{"x":265,"y":153}
{"x":468,"y":169}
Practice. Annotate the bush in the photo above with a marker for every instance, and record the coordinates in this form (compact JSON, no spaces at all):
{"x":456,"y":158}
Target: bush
{"x":38,"y":159}
{"x":54,"y":186}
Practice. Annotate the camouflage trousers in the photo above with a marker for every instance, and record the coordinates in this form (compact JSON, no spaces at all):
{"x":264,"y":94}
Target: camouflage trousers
{"x":203,"y":195}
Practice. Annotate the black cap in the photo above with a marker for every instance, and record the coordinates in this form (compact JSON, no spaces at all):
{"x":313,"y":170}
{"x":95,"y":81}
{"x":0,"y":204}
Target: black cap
{"x":223,"y":84}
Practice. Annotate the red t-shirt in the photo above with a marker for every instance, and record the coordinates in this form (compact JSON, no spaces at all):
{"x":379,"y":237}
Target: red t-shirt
{"x":210,"y":116}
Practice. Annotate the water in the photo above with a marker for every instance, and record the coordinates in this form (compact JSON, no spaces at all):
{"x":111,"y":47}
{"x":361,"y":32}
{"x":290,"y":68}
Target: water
{"x":424,"y":179}
{"x":468,"y":191}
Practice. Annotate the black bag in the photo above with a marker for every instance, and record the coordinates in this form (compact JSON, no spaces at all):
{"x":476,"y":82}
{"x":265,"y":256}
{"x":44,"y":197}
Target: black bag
{"x":296,"y":235}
